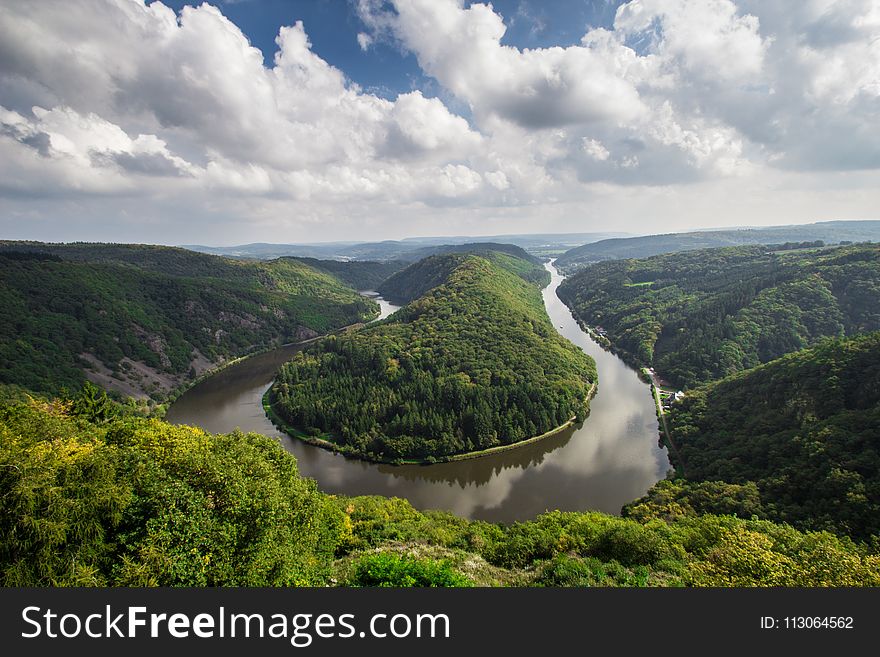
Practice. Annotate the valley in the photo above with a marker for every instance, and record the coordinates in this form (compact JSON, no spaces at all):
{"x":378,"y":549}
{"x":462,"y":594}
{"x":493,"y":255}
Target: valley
{"x":611,"y":459}
{"x":490,"y":403}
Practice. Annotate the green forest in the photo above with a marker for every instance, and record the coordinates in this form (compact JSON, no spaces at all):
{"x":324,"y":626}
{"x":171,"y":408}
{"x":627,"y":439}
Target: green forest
{"x":432,"y":271}
{"x":94,"y":495}
{"x":702,"y":315}
{"x":146,"y":318}
{"x":358,"y":275}
{"x":471,"y":363}
{"x":776,"y":464}
{"x":800,"y":432}
{"x":829,"y":232}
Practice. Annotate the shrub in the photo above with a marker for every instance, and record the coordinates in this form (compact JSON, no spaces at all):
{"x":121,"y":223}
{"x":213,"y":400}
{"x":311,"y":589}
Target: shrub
{"x":394,"y":570}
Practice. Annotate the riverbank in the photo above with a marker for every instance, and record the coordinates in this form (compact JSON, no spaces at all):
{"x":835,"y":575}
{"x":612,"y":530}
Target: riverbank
{"x":661,"y":418}
{"x":174,"y":395}
{"x":602,"y":464}
{"x":279,"y":423}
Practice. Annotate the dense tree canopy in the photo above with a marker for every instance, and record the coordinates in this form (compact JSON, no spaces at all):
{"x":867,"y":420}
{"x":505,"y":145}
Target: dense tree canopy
{"x":67,"y":308}
{"x":360,"y":275}
{"x":432,"y":271}
{"x":702,"y":315}
{"x":805,"y":428}
{"x":472,"y":363}
{"x":92,"y":495}
{"x":87,"y":499}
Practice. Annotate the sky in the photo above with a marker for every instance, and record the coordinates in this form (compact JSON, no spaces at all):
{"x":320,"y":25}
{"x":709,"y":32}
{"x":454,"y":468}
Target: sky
{"x":320,"y":120}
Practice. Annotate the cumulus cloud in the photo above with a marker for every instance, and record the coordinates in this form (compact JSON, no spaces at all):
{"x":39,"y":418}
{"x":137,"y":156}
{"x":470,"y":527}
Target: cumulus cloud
{"x":423,"y":125}
{"x":116,"y":98}
{"x":699,"y":88}
{"x":199,"y":83}
{"x":603,"y":92}
{"x":595,"y":149}
{"x":364,"y":40}
{"x":709,"y":39}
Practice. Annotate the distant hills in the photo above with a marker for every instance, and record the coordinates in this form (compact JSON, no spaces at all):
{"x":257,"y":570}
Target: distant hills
{"x":830,"y":232}
{"x":572,"y":250}
{"x":410,"y":249}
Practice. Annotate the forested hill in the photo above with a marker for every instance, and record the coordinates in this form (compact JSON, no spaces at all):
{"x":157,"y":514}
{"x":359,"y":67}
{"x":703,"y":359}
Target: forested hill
{"x":169,"y":260}
{"x":702,"y":315}
{"x":479,"y":248}
{"x":428,"y":273}
{"x":830,"y":232}
{"x":360,"y":275}
{"x":143,"y":319}
{"x":471,"y":364}
{"x":805,"y":428}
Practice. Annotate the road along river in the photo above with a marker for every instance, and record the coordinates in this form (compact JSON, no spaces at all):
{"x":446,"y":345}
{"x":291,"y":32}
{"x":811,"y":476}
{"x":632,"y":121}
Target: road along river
{"x":613,"y":458}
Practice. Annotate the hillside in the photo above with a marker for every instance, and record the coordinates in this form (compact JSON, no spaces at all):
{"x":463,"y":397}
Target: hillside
{"x":95,"y":497}
{"x":141,"y":320}
{"x":702,"y":315}
{"x":830,"y":232}
{"x":359,"y":275}
{"x":472,"y":363}
{"x":433,"y":270}
{"x":479,"y":248}
{"x":805,"y":428}
{"x":419,"y":278}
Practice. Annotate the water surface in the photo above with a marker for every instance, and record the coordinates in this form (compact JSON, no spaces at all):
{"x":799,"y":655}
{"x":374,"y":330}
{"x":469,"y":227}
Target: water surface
{"x":613,"y":458}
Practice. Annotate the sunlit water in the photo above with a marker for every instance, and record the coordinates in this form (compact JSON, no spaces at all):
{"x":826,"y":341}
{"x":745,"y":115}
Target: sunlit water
{"x":610,"y":460}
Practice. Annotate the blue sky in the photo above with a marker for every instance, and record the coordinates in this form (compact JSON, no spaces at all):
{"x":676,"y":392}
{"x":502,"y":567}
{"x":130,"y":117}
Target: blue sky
{"x":128,"y":120}
{"x":387,"y":70}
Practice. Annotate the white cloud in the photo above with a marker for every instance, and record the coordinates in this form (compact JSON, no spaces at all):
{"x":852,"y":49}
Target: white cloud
{"x":424,"y":125}
{"x":705,"y":38}
{"x":595,"y":149}
{"x":364,"y":40}
{"x":677,"y":100}
{"x":605,"y":96}
{"x":497,"y":179}
{"x":201,"y":84}
{"x":533,"y":88}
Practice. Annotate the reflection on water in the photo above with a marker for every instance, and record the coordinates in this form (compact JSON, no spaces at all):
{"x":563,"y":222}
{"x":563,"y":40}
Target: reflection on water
{"x":610,"y":460}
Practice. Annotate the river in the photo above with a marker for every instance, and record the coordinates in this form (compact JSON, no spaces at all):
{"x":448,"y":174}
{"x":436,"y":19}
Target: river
{"x":613,"y":458}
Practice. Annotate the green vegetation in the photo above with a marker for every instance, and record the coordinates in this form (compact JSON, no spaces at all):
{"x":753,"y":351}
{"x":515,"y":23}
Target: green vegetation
{"x":356,"y":274}
{"x":432,"y":271}
{"x":91,"y":494}
{"x":478,"y":248}
{"x":395,"y":570}
{"x":123,"y":500}
{"x":830,"y":232}
{"x":594,"y":549}
{"x":708,"y":314}
{"x":472,"y":363}
{"x":803,"y":428}
{"x":669,"y":499}
{"x":143,"y":319}
{"x":791,"y":440}
{"x":419,"y":279}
